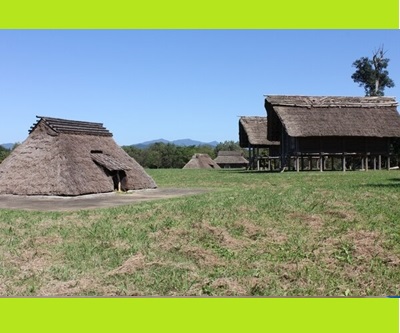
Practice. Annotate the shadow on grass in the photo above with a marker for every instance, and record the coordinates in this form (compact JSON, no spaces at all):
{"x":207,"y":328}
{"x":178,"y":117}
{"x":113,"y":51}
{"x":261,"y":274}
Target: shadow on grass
{"x":395,"y":182}
{"x":247,"y":172}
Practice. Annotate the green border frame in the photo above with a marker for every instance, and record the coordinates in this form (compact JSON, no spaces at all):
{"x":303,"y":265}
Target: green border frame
{"x":200,"y":315}
{"x":204,"y":14}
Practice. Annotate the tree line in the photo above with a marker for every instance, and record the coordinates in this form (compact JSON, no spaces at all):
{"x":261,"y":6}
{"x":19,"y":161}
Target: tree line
{"x":4,"y":153}
{"x":168,"y":155}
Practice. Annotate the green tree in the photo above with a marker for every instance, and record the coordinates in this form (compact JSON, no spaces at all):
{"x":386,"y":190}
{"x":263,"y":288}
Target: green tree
{"x":227,"y":146}
{"x":3,"y":153}
{"x":372,"y":74}
{"x":162,"y":155}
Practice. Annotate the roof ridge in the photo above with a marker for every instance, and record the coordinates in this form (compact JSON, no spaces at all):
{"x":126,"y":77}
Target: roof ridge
{"x":72,"y":126}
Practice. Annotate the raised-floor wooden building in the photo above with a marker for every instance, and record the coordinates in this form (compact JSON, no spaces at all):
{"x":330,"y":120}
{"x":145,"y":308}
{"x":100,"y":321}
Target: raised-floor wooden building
{"x":253,"y":136}
{"x":231,"y":159}
{"x":329,"y":127}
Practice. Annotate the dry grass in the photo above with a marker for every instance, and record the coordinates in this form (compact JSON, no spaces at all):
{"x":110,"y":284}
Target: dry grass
{"x":289,"y":234}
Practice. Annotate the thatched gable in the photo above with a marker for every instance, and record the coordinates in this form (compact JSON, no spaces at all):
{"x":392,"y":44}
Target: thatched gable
{"x":71,"y":126}
{"x":331,"y":116}
{"x":63,"y":157}
{"x":253,"y":132}
{"x":231,"y":159}
{"x":201,"y":161}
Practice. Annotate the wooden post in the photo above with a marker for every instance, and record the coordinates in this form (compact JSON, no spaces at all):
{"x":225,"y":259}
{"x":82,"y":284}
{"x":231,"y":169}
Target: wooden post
{"x":366,"y":163}
{"x":379,"y":162}
{"x":374,"y":163}
{"x":297,"y":163}
{"x":344,"y":163}
{"x":388,"y":162}
{"x":119,"y":182}
{"x":249,"y":166}
{"x":362,"y":163}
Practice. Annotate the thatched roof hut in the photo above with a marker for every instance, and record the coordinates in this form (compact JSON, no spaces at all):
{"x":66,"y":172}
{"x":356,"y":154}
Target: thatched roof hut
{"x":231,"y":159}
{"x":69,"y":158}
{"x":253,"y":133}
{"x":322,"y":116}
{"x":201,"y":161}
{"x":333,"y":126}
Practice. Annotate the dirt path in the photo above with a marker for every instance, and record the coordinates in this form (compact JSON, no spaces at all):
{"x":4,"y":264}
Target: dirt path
{"x":91,"y":201}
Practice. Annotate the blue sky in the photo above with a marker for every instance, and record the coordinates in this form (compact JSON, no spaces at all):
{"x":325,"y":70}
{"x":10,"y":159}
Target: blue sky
{"x":174,"y":84}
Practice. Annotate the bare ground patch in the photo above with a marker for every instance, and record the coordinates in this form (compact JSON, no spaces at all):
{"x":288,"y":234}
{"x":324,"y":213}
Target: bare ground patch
{"x":314,"y":221}
{"x":183,"y":242}
{"x":91,"y":201}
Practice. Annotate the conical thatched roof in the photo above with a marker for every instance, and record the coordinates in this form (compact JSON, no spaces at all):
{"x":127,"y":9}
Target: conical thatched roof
{"x":230,"y":158}
{"x":253,"y":132}
{"x":63,"y":157}
{"x":201,"y":161}
{"x":312,"y":116}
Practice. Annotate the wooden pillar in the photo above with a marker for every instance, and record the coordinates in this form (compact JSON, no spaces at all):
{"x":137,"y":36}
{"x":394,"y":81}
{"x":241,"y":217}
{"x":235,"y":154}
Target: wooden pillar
{"x":379,"y":162}
{"x":366,"y":163}
{"x":297,"y":163}
{"x":249,"y":166}
{"x":362,"y":163}
{"x":309,"y":163}
{"x":321,"y":163}
{"x":344,"y":163}
{"x":119,"y":181}
{"x":388,"y":162}
{"x":374,"y":163}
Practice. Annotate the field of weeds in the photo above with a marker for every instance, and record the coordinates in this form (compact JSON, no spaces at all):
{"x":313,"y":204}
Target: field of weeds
{"x":251,"y":234}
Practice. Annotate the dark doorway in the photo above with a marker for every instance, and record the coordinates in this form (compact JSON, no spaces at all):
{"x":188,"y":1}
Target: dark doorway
{"x":119,"y":180}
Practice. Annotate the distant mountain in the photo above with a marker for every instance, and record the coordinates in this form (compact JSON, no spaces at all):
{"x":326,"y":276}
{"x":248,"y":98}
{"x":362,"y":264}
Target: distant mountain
{"x":7,"y":145}
{"x":149,"y":143}
{"x":180,"y":142}
{"x":190,"y":142}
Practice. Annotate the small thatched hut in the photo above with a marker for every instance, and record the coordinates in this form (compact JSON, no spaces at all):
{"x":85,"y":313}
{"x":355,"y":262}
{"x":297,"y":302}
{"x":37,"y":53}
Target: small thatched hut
{"x":231,"y":159}
{"x":201,"y":161}
{"x":253,"y":136}
{"x":331,"y":126}
{"x":70,"y":158}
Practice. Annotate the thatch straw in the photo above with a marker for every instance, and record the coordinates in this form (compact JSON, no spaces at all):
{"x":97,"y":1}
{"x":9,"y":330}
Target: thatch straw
{"x":312,"y":116}
{"x":201,"y":161}
{"x":253,"y":132}
{"x":51,"y":162}
{"x":231,"y":158}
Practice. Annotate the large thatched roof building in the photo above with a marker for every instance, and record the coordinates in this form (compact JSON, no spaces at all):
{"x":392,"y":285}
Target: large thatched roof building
{"x":231,"y":159}
{"x":201,"y":161}
{"x":65,"y":157}
{"x":332,"y":125}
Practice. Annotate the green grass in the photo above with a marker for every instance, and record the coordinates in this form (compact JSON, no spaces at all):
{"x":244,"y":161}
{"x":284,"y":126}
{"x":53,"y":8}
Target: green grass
{"x":253,"y":234}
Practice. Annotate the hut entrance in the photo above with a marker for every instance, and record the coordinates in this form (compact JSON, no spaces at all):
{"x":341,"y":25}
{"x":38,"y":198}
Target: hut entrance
{"x":113,"y":168}
{"x":119,"y":179}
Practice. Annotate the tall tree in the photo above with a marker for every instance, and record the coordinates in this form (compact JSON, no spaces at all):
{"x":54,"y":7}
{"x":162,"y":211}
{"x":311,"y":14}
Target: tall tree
{"x":372,"y":74}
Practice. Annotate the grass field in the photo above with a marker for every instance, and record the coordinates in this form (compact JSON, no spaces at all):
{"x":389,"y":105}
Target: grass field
{"x":252,"y":234}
